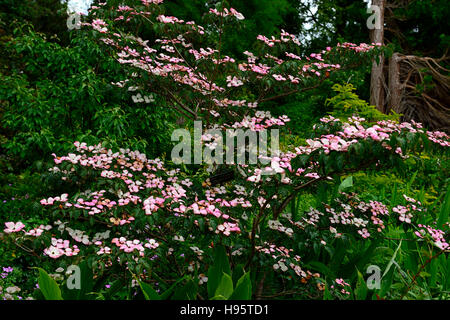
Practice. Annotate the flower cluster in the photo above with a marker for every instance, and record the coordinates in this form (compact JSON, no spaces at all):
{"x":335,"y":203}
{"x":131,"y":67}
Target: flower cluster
{"x":284,"y":260}
{"x":342,"y":285}
{"x":6,"y":271}
{"x":60,"y":247}
{"x":437,"y":235}
{"x":12,"y":227}
{"x":130,"y":245}
{"x":225,"y":12}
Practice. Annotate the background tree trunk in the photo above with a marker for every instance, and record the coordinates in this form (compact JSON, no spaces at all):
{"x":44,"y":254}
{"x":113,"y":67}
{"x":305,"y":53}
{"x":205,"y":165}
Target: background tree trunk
{"x":395,"y":87}
{"x":377,"y":94}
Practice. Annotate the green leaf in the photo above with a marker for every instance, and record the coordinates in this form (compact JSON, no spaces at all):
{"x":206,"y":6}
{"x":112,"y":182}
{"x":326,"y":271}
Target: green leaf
{"x":394,"y":194}
{"x":358,"y":261}
{"x":221,"y":259}
{"x":387,"y":282}
{"x":361,"y":287}
{"x":213,"y":280}
{"x":445,"y":210}
{"x":187,"y":292}
{"x":115,"y":287}
{"x":327,"y":294}
{"x":446,"y":268}
{"x":218,"y":298}
{"x":238,"y":272}
{"x":391,"y":262}
{"x":433,"y":272}
{"x":86,"y":285}
{"x":225,"y":287}
{"x":388,"y":275}
{"x":48,"y":286}
{"x":149,"y":292}
{"x":347,"y":183}
{"x":322,"y":268}
{"x":243,"y":289}
{"x":215,"y":271}
{"x":411,"y":181}
{"x":168,"y":292}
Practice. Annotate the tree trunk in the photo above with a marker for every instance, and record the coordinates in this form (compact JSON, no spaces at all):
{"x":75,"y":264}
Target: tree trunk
{"x":377,"y":94}
{"x":395,"y":87}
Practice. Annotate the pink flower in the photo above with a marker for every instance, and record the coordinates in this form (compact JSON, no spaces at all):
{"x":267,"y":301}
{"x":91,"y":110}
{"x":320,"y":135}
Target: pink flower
{"x":349,"y":131}
{"x":409,"y":199}
{"x":341,"y":282}
{"x":237,"y":14}
{"x":364,"y":233}
{"x":147,"y":2}
{"x":13,"y":227}
{"x":279,"y":77}
{"x":53,"y":252}
{"x":34,"y":232}
{"x":312,"y":175}
{"x":166,"y":19}
{"x":234,"y":82}
{"x":124,"y":8}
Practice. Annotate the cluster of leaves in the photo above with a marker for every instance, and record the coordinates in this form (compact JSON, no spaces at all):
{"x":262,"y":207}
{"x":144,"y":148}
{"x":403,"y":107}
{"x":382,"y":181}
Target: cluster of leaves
{"x":346,"y":103}
{"x":57,"y":94}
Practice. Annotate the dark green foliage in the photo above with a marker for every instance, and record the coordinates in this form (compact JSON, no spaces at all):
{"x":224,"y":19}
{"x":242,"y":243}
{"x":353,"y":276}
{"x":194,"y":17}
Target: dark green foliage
{"x":55,"y":95}
{"x":420,"y":28}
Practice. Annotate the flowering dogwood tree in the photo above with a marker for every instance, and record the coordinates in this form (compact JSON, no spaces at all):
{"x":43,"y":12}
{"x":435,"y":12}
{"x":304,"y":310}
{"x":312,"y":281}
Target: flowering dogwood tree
{"x":159,"y":222}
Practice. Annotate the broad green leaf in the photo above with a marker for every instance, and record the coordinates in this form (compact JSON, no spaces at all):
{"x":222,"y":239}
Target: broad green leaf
{"x":322,"y":268}
{"x":221,"y":259}
{"x":225,"y":287}
{"x":165,"y":295}
{"x":187,"y":292}
{"x":386,"y":282}
{"x":48,"y":286}
{"x":361,"y":287}
{"x":433,"y":272}
{"x":347,"y":183}
{"x":86,"y":285}
{"x":243,"y":289}
{"x":391,"y":262}
{"x":238,"y":272}
{"x":388,"y":275}
{"x":215,"y":271}
{"x":115,"y":287}
{"x":359,"y":261}
{"x":148,"y":291}
{"x":447,"y":274}
{"x":213,"y":280}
